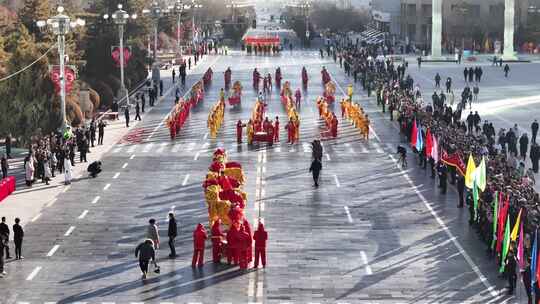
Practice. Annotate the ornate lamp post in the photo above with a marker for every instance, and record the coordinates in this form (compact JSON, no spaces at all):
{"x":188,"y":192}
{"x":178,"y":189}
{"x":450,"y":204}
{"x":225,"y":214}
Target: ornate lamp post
{"x":120,"y":18}
{"x":155,"y":12}
{"x":194,"y":6}
{"x":306,"y":5}
{"x":178,"y":9}
{"x":61,"y":25}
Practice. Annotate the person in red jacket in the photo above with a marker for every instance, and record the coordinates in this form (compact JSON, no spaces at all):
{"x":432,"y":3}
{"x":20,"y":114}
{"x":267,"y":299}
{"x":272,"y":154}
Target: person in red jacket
{"x":217,"y":241}
{"x":232,"y":245}
{"x":239,"y":126}
{"x":276,"y":130}
{"x":291,"y":130}
{"x":334,"y":125}
{"x":249,"y":250}
{"x":244,"y":241}
{"x":199,"y":237}
{"x":260,"y":236}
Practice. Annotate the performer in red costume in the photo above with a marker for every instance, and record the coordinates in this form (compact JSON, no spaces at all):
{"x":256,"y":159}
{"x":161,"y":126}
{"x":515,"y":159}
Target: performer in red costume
{"x":239,"y":126}
{"x":217,"y":241}
{"x":291,"y":131}
{"x":243,"y":242}
{"x":276,"y":130}
{"x":199,"y":237}
{"x":224,"y":181}
{"x":334,"y":125}
{"x":232,"y":245}
{"x":260,"y":236}
{"x":247,"y":227}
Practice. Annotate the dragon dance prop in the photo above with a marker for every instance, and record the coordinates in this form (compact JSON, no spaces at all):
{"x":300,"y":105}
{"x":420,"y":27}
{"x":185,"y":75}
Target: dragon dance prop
{"x":236,"y":96}
{"x":207,"y":77}
{"x":225,"y":198}
{"x":328,"y":117}
{"x":329,"y":91}
{"x":355,"y":114}
{"x":255,"y":128}
{"x":180,"y":111}
{"x":215,"y":117}
{"x":197,"y":93}
{"x":290,"y":108}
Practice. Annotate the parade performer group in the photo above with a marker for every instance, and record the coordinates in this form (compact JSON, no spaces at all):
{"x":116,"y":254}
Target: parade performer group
{"x":293,"y":125}
{"x":207,"y":77}
{"x":236,"y":96}
{"x":325,"y":76}
{"x":329,"y":91}
{"x":328,"y":117}
{"x":355,"y":114}
{"x":180,"y":111}
{"x":215,"y":117}
{"x":231,"y":233}
{"x":259,"y":127}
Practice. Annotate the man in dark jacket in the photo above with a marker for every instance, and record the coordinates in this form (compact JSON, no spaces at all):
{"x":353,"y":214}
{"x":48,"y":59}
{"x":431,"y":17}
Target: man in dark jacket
{"x":172,"y":233}
{"x":4,"y":231}
{"x":534,"y":129}
{"x":535,"y":155}
{"x":523,"y":145}
{"x":3,"y":241}
{"x":145,"y":252}
{"x":18,"y":234}
{"x":126,"y":115}
{"x":461,"y":189}
{"x":315,"y":169}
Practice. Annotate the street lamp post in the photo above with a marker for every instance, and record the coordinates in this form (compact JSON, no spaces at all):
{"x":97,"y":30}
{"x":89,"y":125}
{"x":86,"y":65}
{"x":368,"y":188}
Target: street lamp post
{"x":306,"y":6}
{"x":194,"y":6}
{"x":155,"y":12}
{"x":178,"y":9}
{"x":61,"y":25}
{"x":120,"y":18}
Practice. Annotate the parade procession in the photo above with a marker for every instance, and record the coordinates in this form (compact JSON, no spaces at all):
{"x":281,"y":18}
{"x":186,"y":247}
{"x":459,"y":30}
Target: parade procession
{"x":281,"y":152}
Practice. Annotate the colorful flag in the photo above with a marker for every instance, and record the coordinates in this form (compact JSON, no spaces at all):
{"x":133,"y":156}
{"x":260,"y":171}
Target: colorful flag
{"x":419,"y":140}
{"x":520,"y":256}
{"x":495,"y":219}
{"x":469,"y":174}
{"x":429,"y":143}
{"x":534,"y":256}
{"x":480,"y":175}
{"x":475,"y":199}
{"x":435,"y":150}
{"x":502,"y":218}
{"x":515,"y":230}
{"x":506,"y":243}
{"x":414,"y":134}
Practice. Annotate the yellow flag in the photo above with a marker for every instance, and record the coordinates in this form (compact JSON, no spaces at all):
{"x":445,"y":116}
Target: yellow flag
{"x":469,"y":174}
{"x":515,"y":230}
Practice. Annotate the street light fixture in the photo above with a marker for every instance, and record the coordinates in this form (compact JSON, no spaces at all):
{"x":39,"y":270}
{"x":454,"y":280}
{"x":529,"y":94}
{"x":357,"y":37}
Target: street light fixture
{"x":61,"y":25}
{"x":155,"y":12}
{"x":306,"y":5}
{"x":178,"y":9}
{"x":194,"y":6}
{"x":120,"y":18}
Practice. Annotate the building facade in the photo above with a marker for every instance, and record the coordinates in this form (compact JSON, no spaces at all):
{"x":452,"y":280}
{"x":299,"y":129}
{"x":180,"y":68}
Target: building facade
{"x":386,"y":16}
{"x":467,"y":24}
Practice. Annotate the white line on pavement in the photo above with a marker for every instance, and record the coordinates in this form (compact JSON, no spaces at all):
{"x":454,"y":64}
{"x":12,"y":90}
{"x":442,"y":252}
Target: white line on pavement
{"x":116,"y":175}
{"x":124,"y":165}
{"x":51,"y":202}
{"x":251,"y":287}
{"x":36,"y":217}
{"x":259,"y":159}
{"x":184,"y":182}
{"x":131,"y":149}
{"x":96,"y":199}
{"x":161,"y":148}
{"x":107,"y":186}
{"x":69,"y":231}
{"x":450,"y":235}
{"x":191,"y":146}
{"x":259,"y":290}
{"x":205,"y":135}
{"x":363,"y":256}
{"x":148,"y":147}
{"x":132,"y":156}
{"x":176,"y":148}
{"x":349,"y":217}
{"x":327,"y":156}
{"x":197,"y":155}
{"x":66,"y":188}
{"x":378,"y":147}
{"x":117,"y":150}
{"x":337,"y":181}
{"x":34,"y":272}
{"x":83,"y":214}
{"x":53,"y":250}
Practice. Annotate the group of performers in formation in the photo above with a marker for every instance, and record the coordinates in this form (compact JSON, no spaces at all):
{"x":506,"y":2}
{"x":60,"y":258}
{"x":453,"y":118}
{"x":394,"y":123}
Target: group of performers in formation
{"x":216,"y":116}
{"x":356,"y":115}
{"x":231,"y":233}
{"x":180,"y":111}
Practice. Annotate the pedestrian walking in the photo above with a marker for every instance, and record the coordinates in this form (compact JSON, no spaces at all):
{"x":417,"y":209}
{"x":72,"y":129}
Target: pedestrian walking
{"x":4,"y":231}
{"x":137,"y":111}
{"x":419,"y":60}
{"x":506,"y":70}
{"x":511,"y":269}
{"x":18,"y":235}
{"x":172,"y":233}
{"x":315,"y":169}
{"x":466,"y":74}
{"x":448,"y":84}
{"x":145,"y":252}
{"x":47,"y":174}
{"x":173,"y":75}
{"x":126,"y":115}
{"x":534,"y":129}
{"x":152,"y":233}
{"x":29,"y":170}
{"x":523,"y":146}
{"x":160,"y":87}
{"x":534,"y":155}
{"x":437,"y":80}
{"x":461,"y":189}
{"x":92,"y":132}
{"x":7,"y":143}
{"x":3,"y":243}
{"x":5,"y":166}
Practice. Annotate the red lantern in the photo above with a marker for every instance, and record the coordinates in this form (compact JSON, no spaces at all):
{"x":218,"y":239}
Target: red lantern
{"x":115,"y":53}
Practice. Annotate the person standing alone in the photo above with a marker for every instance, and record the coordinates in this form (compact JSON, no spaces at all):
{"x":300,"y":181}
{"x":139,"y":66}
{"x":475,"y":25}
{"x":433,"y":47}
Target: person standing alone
{"x":172,"y":233}
{"x":18,"y":235}
{"x":315,"y":169}
{"x":152,"y":233}
{"x":4,"y":232}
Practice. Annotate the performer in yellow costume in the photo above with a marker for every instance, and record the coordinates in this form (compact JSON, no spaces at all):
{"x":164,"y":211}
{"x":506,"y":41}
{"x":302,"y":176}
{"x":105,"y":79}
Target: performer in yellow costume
{"x":215,"y":117}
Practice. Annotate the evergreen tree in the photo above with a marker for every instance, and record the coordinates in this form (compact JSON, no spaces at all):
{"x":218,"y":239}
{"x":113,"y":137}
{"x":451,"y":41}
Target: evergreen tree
{"x":31,"y":12}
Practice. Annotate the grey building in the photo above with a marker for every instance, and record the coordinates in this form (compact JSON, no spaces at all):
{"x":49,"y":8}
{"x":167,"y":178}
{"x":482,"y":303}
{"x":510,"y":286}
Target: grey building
{"x":386,"y":16}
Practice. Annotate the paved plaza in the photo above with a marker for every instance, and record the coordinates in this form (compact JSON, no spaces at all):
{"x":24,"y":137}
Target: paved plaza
{"x":372,"y":233}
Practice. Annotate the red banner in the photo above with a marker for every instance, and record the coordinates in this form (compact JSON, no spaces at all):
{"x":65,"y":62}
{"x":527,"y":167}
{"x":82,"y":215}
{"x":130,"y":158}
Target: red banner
{"x":454,"y":160}
{"x":115,"y":53}
{"x":69,"y":74}
{"x":262,"y":40}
